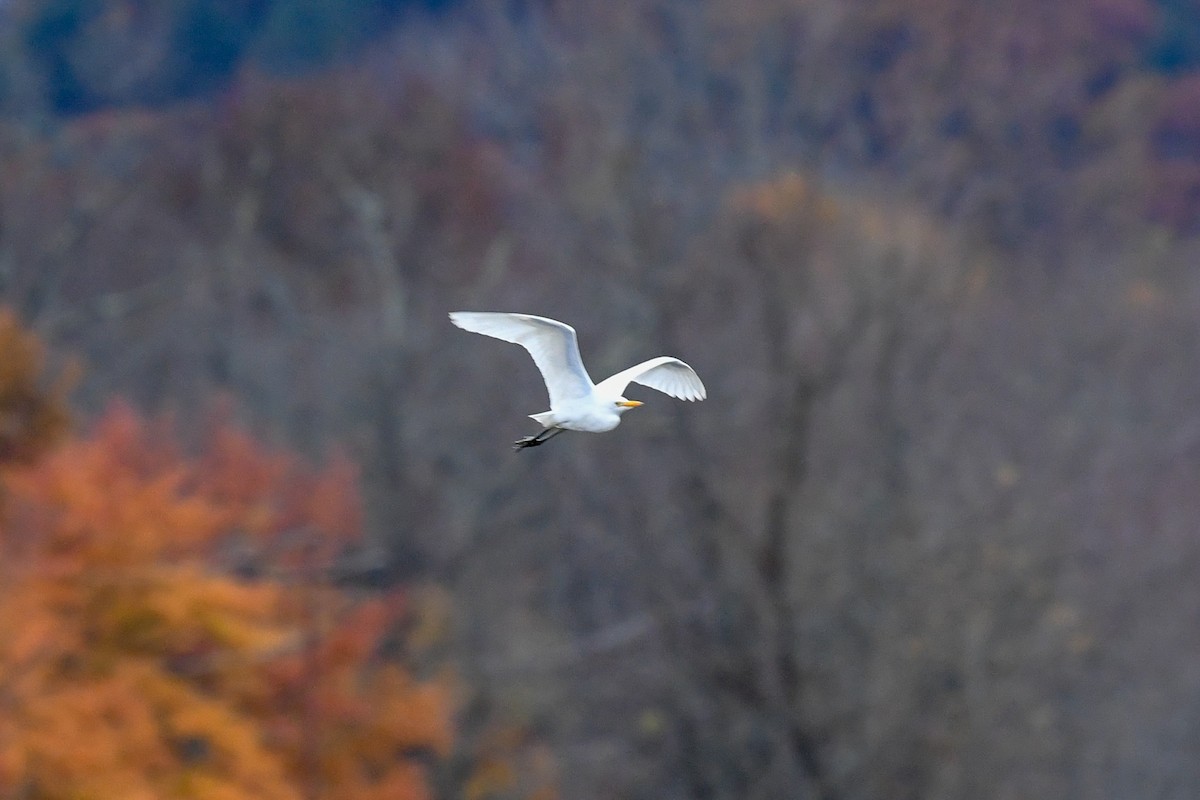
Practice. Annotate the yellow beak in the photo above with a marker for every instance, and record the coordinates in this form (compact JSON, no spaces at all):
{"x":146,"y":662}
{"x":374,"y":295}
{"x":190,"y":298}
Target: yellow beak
{"x":629,"y":403}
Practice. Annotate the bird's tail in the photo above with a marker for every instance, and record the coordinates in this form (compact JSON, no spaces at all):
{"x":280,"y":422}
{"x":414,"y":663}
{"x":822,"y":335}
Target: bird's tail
{"x":545,"y":419}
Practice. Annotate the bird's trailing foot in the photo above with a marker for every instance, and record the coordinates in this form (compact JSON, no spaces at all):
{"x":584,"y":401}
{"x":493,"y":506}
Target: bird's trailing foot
{"x":533,"y":441}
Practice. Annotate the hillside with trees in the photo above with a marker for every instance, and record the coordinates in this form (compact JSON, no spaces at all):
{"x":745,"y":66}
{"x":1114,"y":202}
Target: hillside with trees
{"x":932,"y":535}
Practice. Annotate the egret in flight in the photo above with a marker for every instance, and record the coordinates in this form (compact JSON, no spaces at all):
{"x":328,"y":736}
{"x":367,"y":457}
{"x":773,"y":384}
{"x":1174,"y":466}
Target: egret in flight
{"x":577,"y":404}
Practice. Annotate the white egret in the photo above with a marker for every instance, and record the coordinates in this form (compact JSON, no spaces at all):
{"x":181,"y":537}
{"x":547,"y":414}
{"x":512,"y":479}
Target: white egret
{"x":577,"y":404}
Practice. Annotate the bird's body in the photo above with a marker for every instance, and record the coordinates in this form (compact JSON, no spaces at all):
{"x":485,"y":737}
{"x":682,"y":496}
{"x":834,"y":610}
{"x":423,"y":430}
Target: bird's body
{"x":581,"y":415}
{"x":576,"y":403}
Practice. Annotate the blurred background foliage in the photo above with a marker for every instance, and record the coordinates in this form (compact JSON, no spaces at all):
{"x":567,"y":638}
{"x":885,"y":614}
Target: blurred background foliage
{"x":171,"y":628}
{"x":89,"y":54}
{"x":933,"y":534}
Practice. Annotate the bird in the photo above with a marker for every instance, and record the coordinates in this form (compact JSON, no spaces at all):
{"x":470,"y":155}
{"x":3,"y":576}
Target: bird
{"x":577,"y":404}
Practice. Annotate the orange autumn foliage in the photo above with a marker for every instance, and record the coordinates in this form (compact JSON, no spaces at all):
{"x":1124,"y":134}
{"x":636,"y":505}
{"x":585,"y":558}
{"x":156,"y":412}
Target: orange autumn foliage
{"x":137,"y":660}
{"x":33,"y":407}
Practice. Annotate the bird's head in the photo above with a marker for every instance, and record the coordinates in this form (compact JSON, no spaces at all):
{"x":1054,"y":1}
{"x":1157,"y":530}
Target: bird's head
{"x":623,"y":405}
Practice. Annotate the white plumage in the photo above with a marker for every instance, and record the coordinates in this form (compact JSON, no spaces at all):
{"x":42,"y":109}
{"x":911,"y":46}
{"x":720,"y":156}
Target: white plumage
{"x":576,"y":403}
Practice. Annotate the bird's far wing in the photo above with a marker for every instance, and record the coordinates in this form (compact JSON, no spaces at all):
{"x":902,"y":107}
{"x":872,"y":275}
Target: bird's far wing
{"x":552,"y":344}
{"x":667,"y":375}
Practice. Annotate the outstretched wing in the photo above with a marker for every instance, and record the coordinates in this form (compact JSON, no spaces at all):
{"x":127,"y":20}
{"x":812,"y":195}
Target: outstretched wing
{"x":667,"y":375}
{"x":552,"y":344}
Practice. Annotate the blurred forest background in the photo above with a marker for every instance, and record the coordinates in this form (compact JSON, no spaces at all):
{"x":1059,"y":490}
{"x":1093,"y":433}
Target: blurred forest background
{"x":933,"y":535}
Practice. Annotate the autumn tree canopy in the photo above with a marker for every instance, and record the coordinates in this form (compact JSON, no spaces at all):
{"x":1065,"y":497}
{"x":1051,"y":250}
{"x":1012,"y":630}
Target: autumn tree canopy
{"x":167,"y":628}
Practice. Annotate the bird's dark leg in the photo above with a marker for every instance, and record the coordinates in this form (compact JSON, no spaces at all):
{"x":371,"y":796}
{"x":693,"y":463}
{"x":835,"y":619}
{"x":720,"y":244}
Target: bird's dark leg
{"x":541,"y":438}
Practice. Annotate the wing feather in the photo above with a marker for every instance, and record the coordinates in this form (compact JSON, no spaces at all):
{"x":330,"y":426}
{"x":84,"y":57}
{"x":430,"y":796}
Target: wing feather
{"x":552,"y":344}
{"x":666,"y":374}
